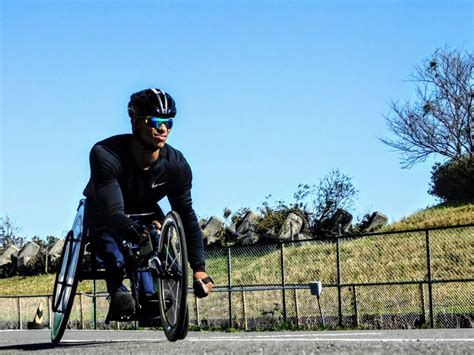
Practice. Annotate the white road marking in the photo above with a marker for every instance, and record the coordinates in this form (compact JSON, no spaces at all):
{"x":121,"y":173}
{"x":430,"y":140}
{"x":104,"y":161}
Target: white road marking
{"x":308,"y":335}
{"x":315,"y":339}
{"x":337,"y":339}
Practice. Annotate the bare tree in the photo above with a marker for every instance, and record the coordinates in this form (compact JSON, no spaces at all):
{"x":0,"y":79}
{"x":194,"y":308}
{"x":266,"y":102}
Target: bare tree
{"x":9,"y":233}
{"x":334,"y":191}
{"x":438,"y":120}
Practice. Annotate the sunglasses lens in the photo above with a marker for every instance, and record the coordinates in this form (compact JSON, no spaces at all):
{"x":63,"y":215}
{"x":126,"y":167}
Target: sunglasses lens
{"x":156,"y":122}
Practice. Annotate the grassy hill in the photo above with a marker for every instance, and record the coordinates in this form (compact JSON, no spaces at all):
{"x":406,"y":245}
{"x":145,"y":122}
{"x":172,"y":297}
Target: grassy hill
{"x":436,"y":216}
{"x":396,"y":258}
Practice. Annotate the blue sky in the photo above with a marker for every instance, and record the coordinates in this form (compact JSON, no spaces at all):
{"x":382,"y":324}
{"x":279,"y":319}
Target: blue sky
{"x":270,"y":94}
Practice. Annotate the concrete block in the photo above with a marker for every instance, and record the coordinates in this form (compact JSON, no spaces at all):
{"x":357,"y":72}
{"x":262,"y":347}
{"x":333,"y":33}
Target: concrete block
{"x":30,"y":250}
{"x":212,"y":230}
{"x":6,"y":257}
{"x":340,"y":217}
{"x":377,"y":220}
{"x":291,"y":227}
{"x":248,"y":223}
{"x":56,"y":248}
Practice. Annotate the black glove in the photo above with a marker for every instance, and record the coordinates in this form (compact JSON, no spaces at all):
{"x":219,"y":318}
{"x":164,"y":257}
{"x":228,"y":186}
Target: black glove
{"x":200,"y":288}
{"x":137,"y":234}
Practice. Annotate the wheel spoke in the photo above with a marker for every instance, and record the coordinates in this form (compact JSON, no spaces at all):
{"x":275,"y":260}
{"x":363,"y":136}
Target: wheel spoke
{"x":175,"y":294}
{"x":175,"y":260}
{"x":167,"y":248}
{"x":176,"y":303}
{"x":176,"y":252}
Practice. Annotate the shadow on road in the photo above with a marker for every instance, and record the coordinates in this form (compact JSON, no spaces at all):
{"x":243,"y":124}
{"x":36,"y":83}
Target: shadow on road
{"x":45,"y":346}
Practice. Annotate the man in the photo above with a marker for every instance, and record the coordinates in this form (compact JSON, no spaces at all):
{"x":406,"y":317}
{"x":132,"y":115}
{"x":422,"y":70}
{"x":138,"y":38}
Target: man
{"x":130,"y":173}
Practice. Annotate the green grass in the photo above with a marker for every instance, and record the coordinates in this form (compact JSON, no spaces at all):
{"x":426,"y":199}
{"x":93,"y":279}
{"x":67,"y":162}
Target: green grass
{"x":39,"y":285}
{"x":436,"y":216}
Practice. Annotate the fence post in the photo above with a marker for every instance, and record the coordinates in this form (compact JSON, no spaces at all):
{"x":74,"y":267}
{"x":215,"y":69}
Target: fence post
{"x":430,"y":280}
{"x":229,"y":278}
{"x":422,"y":301}
{"x":20,"y":320}
{"x":81,"y":309}
{"x":196,"y":311}
{"x":50,"y":311}
{"x":297,"y":313}
{"x":282,"y":269}
{"x":94,"y":305}
{"x":339,"y":288}
{"x":356,"y":311}
{"x":244,"y":310}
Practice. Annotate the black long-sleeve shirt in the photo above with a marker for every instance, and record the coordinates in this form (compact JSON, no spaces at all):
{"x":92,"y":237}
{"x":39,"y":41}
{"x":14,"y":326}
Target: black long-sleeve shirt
{"x":119,"y":187}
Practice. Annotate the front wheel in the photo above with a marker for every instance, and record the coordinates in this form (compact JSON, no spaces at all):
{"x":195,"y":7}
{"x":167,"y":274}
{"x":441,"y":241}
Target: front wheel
{"x":67,"y":276}
{"x":173,"y":281}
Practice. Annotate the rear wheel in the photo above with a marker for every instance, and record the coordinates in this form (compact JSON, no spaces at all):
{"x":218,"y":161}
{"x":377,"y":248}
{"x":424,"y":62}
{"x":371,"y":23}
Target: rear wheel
{"x":173,"y":281}
{"x":67,"y":276}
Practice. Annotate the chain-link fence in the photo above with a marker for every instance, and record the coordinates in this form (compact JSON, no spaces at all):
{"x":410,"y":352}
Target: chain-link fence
{"x":401,"y":279}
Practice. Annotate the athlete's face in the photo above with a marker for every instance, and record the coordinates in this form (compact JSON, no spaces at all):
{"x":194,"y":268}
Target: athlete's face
{"x":150,"y":134}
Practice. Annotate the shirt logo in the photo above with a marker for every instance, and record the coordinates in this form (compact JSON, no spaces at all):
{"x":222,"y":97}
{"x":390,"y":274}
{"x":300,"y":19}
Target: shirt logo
{"x":157,"y":184}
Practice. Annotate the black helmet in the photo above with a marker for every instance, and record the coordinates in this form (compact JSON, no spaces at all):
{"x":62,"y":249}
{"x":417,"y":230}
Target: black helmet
{"x":151,"y":102}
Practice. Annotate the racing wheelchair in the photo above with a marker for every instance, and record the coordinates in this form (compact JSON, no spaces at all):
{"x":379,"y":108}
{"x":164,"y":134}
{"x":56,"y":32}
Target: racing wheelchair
{"x":166,"y":259}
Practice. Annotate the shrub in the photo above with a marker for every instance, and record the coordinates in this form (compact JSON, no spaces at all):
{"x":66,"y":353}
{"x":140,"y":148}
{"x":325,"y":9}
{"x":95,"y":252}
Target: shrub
{"x":453,"y":181}
{"x":273,"y":216}
{"x":334,"y":191}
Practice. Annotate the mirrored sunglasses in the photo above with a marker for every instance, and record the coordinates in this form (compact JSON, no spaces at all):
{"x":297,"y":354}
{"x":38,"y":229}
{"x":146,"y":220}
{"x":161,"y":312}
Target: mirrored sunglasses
{"x":156,"y":122}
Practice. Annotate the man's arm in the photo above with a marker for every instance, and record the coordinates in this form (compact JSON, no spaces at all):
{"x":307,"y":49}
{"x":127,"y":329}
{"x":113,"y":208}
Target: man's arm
{"x":105,"y":188}
{"x":181,"y":202}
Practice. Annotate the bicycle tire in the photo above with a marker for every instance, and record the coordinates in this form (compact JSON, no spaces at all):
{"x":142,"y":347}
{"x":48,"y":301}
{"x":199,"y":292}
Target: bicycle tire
{"x":173,"y":284}
{"x":67,"y":276}
{"x":184,"y":332}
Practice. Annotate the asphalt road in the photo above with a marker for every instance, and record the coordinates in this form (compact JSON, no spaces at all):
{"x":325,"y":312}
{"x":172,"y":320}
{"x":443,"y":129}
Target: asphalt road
{"x":425,"y":341}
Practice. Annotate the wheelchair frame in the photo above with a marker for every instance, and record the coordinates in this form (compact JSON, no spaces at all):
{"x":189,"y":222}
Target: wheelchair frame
{"x":169,"y":272}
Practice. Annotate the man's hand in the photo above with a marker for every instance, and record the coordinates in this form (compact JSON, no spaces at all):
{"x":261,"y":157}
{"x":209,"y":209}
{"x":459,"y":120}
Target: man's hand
{"x":202,"y":284}
{"x":157,"y":225}
{"x":138,"y":237}
{"x":155,"y":231}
